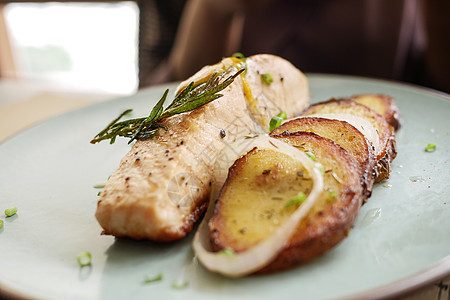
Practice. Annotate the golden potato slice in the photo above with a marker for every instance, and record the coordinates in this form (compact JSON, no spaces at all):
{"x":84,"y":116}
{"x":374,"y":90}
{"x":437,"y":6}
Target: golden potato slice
{"x":344,"y":134}
{"x":382,"y":104}
{"x":257,"y":197}
{"x":387,"y":146}
{"x":251,"y":203}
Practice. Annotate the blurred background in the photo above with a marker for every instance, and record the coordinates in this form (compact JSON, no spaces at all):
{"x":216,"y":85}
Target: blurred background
{"x":59,"y":56}
{"x":73,"y":46}
{"x":120,"y":46}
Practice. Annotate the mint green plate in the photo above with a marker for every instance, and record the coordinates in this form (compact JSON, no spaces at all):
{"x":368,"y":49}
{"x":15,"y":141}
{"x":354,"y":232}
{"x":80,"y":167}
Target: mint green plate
{"x":401,"y":239}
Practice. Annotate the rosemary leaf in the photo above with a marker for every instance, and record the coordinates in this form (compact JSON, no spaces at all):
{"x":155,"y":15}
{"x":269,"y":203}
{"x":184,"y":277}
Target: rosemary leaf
{"x":154,"y":115}
{"x":110,"y":125}
{"x":180,"y":98}
{"x":191,"y":105}
{"x":190,"y":98}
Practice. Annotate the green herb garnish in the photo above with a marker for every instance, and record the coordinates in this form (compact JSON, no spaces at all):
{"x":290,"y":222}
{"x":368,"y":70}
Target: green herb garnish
{"x":239,"y":55}
{"x":267,"y":78}
{"x":331,"y":196}
{"x":99,"y":185}
{"x":84,"y":258}
{"x":320,"y":167}
{"x":431,"y":147}
{"x":275,"y":122}
{"x":180,"y":286}
{"x":226,"y":251}
{"x":299,"y":199}
{"x":310,"y":155}
{"x":11,"y":211}
{"x":190,"y":98}
{"x":158,"y":277}
{"x":282,"y":114}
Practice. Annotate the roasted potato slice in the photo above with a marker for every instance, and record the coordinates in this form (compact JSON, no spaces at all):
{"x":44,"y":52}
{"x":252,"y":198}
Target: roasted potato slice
{"x":344,"y":134}
{"x":256,"y":199}
{"x":382,"y":104}
{"x":386,"y":150}
{"x":251,"y":204}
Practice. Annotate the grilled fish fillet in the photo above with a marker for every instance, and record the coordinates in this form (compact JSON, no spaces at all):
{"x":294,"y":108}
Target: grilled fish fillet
{"x":161,"y":186}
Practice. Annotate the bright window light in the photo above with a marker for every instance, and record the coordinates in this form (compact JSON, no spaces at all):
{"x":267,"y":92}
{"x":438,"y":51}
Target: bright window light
{"x":83,"y":46}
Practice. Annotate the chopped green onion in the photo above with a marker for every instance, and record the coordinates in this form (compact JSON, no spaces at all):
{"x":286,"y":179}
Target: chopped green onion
{"x":311,"y":155}
{"x":84,"y":259}
{"x":430,"y":147}
{"x":158,"y":277}
{"x":299,"y":199}
{"x":1,"y":224}
{"x":331,"y":196}
{"x":282,"y":115}
{"x":11,"y":211}
{"x":275,"y":122}
{"x":320,"y":167}
{"x":180,"y":286}
{"x":226,"y":251}
{"x":239,"y":55}
{"x":267,"y":78}
{"x":99,"y":185}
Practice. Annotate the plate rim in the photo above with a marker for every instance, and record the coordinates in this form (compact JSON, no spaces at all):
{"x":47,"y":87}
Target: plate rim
{"x":401,"y":287}
{"x":403,"y":84}
{"x":415,"y":282}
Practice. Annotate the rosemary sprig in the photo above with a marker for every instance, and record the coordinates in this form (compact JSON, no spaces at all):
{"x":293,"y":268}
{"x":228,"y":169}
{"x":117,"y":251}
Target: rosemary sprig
{"x":191,"y":97}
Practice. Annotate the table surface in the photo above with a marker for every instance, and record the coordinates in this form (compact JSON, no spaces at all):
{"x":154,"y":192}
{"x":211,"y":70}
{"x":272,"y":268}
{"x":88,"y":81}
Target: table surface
{"x":23,"y":105}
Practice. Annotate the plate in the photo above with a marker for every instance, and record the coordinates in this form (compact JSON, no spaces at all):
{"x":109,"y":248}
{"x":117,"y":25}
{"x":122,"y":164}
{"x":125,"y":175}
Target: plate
{"x":400,"y":239}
